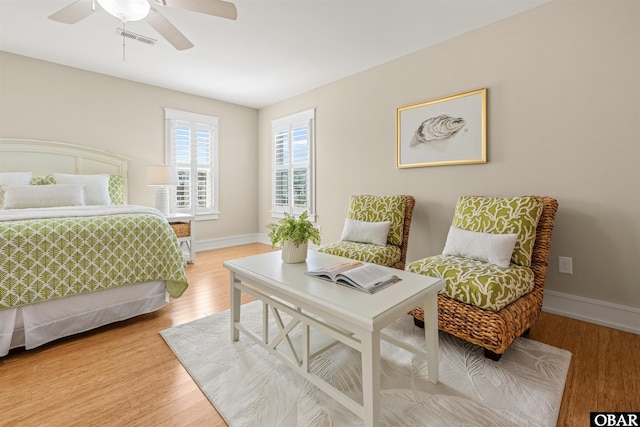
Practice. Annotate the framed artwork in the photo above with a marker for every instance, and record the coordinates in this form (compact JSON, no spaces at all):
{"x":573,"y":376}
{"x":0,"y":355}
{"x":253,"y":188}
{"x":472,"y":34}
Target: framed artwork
{"x":443,"y":131}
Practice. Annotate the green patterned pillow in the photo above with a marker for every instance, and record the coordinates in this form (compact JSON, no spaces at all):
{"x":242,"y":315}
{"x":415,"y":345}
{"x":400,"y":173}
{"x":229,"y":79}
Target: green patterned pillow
{"x":379,"y":209}
{"x":116,"y":189}
{"x":43,"y":180}
{"x":502,"y":215}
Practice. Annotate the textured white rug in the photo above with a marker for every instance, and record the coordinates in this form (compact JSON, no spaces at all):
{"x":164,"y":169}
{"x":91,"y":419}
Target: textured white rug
{"x":250,"y":387}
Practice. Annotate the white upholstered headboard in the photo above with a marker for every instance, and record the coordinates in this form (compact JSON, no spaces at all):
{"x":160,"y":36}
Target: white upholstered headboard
{"x":44,"y":157}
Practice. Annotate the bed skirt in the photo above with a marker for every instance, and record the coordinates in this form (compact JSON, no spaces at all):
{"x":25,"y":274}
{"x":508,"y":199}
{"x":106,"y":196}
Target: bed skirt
{"x":34,"y":325}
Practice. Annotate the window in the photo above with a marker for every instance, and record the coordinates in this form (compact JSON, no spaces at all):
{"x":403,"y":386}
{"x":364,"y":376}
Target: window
{"x":292,"y":164}
{"x":192,"y":146}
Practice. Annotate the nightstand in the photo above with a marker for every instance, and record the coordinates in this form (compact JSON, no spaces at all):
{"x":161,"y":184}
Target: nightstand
{"x":182,"y":225}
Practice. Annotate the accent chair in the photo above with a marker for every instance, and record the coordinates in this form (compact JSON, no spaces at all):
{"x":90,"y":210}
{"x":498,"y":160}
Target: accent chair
{"x":484,"y":303}
{"x":376,"y":230}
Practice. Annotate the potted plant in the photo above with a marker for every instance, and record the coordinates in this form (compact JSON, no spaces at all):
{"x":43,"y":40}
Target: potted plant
{"x":293,"y":235}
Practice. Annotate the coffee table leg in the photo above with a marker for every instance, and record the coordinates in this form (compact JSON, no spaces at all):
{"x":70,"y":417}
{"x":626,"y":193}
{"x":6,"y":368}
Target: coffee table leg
{"x":235,"y":307}
{"x":371,"y":378}
{"x":430,"y":307}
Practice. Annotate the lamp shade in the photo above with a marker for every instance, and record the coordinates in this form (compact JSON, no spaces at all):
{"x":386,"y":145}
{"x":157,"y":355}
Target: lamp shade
{"x":162,"y":175}
{"x":126,"y":10}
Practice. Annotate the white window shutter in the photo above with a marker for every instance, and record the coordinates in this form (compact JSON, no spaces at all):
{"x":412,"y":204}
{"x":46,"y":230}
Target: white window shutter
{"x":192,"y":147}
{"x":292,"y":160}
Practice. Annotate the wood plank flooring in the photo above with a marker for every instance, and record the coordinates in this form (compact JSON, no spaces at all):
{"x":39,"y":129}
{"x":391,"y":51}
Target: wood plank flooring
{"x":124,"y":374}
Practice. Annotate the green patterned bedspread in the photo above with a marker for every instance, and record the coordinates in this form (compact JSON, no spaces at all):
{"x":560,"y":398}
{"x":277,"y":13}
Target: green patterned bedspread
{"x":49,"y":258}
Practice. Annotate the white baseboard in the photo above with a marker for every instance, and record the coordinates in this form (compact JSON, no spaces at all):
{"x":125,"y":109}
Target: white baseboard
{"x":264,"y":238}
{"x":603,"y":313}
{"x":226,"y":242}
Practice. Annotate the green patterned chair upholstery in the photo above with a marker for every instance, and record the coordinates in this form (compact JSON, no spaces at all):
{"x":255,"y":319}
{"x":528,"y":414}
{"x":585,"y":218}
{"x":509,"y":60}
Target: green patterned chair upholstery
{"x":397,"y":210}
{"x":482,"y":303}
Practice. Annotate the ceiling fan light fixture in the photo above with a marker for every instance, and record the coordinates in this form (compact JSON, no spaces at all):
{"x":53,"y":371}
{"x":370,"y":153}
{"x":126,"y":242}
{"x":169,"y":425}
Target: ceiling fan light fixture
{"x":126,"y":10}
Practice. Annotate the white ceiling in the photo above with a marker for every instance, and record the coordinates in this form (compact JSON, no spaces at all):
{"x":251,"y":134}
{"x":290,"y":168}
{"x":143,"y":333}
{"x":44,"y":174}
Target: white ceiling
{"x":274,"y":50}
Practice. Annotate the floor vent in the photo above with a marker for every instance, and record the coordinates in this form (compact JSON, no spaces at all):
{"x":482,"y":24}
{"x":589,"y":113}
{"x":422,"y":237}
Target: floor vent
{"x":133,"y":36}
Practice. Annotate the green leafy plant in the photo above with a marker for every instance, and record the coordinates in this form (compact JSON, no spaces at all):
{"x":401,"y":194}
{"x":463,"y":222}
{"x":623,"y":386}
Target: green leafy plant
{"x":298,"y":230}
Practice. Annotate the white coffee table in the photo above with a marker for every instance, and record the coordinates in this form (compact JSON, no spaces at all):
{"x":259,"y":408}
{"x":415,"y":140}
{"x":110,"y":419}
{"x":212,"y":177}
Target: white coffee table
{"x":330,"y":313}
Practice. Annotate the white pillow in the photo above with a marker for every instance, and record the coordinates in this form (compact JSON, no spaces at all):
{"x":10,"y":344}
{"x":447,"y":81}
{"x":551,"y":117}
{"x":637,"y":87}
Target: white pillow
{"x":15,"y":179}
{"x":366,"y":232}
{"x":43,"y":196}
{"x":96,"y":187}
{"x":488,"y":247}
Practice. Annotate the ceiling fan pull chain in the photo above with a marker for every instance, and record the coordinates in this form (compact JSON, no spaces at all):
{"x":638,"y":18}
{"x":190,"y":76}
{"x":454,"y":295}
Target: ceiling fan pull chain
{"x":124,"y":29}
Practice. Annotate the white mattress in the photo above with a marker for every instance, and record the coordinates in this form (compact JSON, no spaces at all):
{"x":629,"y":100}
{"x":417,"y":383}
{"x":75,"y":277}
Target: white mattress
{"x":34,"y":325}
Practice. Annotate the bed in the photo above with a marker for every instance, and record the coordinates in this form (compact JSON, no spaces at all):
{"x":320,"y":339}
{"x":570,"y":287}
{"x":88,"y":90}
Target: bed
{"x":75,"y":256}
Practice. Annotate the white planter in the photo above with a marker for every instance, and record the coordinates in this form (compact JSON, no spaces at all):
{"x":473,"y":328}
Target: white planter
{"x":292,"y":254}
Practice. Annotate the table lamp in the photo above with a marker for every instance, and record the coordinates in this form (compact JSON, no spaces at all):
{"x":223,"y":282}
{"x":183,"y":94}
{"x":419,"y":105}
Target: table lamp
{"x":162,"y":176}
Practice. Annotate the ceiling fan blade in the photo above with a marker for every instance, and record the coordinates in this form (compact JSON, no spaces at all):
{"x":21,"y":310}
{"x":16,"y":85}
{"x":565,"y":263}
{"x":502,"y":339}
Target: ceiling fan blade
{"x":168,"y":31}
{"x":220,"y":8}
{"x":74,"y":12}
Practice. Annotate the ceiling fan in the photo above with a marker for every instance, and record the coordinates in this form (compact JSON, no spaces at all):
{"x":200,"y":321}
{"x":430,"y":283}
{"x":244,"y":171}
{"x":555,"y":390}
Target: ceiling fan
{"x":136,"y":10}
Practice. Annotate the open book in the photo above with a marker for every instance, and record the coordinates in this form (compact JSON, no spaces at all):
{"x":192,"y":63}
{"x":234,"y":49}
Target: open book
{"x":362,"y":276}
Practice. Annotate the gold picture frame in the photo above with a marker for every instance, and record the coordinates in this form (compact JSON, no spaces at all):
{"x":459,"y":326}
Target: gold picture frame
{"x":444,"y":131}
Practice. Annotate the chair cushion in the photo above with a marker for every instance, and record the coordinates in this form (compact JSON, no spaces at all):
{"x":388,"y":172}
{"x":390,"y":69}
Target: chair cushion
{"x":383,"y":255}
{"x":475,"y":282}
{"x":502,"y":215}
{"x":380,"y":209}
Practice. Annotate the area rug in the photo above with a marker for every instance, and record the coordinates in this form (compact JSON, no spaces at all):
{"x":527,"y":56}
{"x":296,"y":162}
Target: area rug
{"x":250,"y":387}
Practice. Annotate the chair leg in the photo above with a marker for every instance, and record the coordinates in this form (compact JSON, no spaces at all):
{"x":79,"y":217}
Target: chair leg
{"x":491,"y":355}
{"x":419,"y":323}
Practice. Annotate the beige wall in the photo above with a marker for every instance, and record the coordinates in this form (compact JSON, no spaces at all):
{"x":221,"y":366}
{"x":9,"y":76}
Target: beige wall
{"x":41,"y":100}
{"x":563,"y":112}
{"x":563,"y":86}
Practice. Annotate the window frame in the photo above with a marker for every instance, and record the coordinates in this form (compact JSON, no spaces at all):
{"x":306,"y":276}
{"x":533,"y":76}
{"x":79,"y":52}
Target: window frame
{"x":287,"y":124}
{"x":195,"y":122}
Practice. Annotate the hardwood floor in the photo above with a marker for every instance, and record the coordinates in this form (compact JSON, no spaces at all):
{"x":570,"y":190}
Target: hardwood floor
{"x":124,"y":374}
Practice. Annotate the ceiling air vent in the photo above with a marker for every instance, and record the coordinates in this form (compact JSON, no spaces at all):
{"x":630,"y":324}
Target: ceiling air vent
{"x":134,"y":36}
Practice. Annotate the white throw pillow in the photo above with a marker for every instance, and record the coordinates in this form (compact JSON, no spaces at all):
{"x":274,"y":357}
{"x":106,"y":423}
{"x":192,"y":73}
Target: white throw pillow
{"x":15,"y":179}
{"x":366,"y":232}
{"x":96,"y":187}
{"x":43,"y":196}
{"x":488,"y":247}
